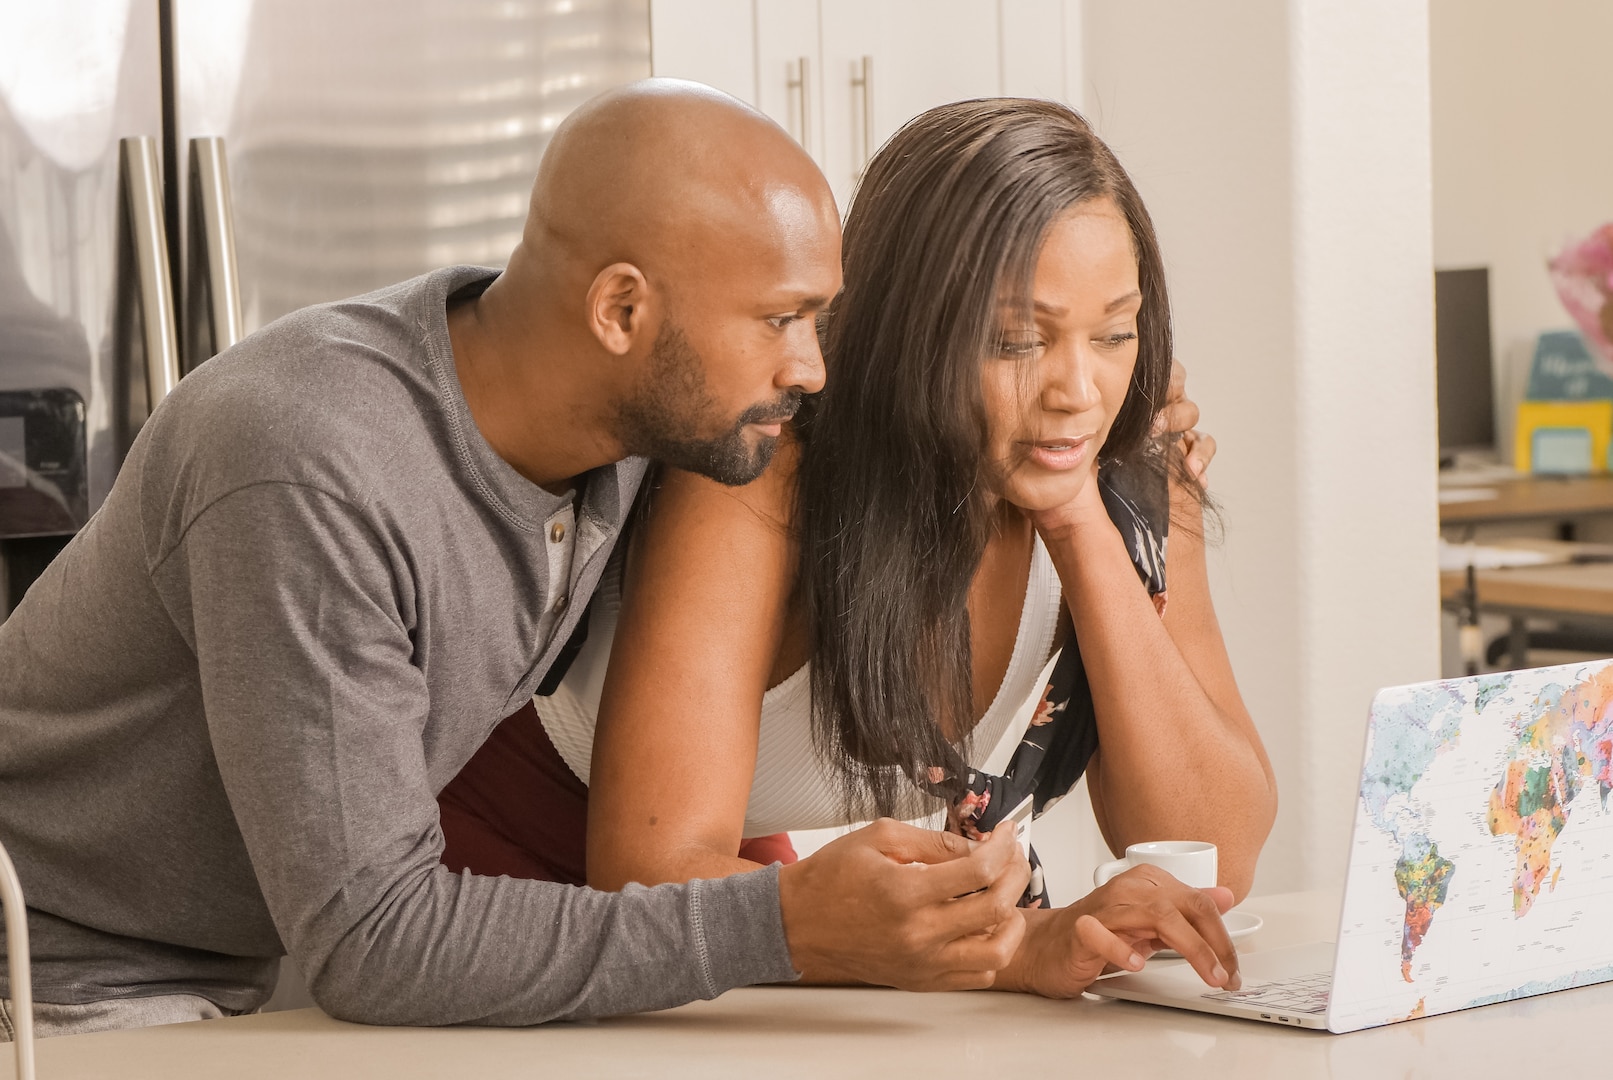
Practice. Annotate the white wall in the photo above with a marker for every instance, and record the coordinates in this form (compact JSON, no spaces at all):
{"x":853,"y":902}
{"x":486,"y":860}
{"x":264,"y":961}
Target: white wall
{"x":1282,"y":148}
{"x":1523,"y":158}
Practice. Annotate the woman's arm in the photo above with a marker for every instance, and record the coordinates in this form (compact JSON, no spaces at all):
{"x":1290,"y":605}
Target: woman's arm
{"x":1179,"y":757}
{"x":703,"y":607}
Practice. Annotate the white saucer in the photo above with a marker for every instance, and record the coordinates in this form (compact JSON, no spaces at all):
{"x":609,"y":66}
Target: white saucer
{"x":1238,"y":923}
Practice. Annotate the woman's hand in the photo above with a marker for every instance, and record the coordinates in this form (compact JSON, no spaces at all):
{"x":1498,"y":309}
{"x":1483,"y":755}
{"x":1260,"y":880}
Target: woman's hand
{"x":1117,"y":926}
{"x":1180,"y":417}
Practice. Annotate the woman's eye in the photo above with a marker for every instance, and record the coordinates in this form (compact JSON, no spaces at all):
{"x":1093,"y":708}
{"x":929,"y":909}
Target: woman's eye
{"x":1116,"y":341}
{"x":1017,"y":348}
{"x":779,"y":322}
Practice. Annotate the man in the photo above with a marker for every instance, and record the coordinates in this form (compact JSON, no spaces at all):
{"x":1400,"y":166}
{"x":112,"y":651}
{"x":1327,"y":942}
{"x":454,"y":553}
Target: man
{"x":339,"y":554}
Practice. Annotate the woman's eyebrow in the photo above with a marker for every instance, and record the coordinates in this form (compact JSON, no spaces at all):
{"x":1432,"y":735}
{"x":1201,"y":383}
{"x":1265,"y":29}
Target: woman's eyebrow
{"x":1048,"y":308}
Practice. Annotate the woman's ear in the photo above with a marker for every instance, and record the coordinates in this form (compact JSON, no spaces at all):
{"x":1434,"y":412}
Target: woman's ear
{"x":616,"y":301}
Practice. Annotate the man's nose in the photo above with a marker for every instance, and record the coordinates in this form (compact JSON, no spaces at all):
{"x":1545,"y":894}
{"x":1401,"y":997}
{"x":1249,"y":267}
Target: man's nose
{"x":803,"y":369}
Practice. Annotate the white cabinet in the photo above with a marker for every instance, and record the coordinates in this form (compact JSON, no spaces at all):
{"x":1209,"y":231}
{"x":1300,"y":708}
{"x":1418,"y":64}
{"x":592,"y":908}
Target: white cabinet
{"x":843,"y":75}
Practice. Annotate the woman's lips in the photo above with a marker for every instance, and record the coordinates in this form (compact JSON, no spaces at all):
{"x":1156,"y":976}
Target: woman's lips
{"x":1060,"y":455}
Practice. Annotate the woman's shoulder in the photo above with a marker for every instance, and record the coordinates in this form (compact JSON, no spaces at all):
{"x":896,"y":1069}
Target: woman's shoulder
{"x":767,"y":502}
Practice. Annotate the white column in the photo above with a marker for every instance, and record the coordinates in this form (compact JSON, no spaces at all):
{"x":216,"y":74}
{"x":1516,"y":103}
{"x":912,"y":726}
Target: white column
{"x":1283,"y":149}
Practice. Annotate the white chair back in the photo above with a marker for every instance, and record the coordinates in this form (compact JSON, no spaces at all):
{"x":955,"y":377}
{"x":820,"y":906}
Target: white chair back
{"x":22,"y":985}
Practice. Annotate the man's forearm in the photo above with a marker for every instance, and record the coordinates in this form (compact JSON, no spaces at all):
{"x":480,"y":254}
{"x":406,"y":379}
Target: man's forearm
{"x":463,"y":949}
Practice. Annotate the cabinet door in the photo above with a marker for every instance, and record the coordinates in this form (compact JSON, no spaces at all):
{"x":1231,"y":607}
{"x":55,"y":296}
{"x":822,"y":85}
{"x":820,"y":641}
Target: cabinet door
{"x":886,"y":61}
{"x":709,"y":41}
{"x":789,"y":69}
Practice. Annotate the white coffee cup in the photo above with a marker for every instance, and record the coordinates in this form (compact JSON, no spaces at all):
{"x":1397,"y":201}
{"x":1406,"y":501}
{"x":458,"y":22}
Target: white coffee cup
{"x":1192,"y":862}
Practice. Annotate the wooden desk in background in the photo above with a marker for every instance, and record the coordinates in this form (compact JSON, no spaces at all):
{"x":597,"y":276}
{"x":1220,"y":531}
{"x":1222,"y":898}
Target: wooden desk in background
{"x":1578,"y":591}
{"x":1526,"y":498}
{"x":848,"y":1033}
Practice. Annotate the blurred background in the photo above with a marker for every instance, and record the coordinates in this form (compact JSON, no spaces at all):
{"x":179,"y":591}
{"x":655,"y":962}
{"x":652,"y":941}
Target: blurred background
{"x":1326,"y":178}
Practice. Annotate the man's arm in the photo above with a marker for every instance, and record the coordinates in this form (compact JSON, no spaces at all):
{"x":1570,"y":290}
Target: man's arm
{"x":317,"y":718}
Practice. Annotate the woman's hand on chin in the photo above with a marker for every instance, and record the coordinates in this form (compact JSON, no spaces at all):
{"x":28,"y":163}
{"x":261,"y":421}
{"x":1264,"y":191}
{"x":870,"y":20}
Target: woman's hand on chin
{"x":1083,"y":511}
{"x":1117,"y":926}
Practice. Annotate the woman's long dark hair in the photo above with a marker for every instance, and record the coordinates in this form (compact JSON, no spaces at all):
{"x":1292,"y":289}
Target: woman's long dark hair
{"x":893,"y":516}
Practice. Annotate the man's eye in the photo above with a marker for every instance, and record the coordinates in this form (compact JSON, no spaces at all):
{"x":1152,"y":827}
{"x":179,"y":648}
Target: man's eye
{"x":779,"y":322}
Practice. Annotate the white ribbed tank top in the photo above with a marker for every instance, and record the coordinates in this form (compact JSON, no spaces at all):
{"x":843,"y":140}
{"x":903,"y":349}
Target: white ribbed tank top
{"x":792,"y":788}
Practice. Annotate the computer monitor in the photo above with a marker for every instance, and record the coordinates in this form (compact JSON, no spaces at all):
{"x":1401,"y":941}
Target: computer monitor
{"x":1466,"y":392}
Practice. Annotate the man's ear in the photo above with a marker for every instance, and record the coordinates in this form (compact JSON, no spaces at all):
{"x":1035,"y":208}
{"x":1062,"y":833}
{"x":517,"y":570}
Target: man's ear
{"x":616,"y":312}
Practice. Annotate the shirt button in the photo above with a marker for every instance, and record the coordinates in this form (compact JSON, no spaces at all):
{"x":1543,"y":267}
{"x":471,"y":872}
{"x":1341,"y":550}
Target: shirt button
{"x":559,"y":605}
{"x":557,"y":532}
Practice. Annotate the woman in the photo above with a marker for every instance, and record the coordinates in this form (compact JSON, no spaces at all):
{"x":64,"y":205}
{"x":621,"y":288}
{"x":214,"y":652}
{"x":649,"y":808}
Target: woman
{"x":970,"y":516}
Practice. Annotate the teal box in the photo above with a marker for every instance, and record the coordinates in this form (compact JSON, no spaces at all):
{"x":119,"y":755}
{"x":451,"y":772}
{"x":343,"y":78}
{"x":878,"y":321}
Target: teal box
{"x":1564,"y":369}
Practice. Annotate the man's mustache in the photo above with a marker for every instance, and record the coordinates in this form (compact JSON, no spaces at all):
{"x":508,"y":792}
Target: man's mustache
{"x":774,"y":412}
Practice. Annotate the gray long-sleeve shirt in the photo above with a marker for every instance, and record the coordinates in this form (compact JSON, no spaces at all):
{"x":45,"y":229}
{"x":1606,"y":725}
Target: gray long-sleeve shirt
{"x":227,"y":707}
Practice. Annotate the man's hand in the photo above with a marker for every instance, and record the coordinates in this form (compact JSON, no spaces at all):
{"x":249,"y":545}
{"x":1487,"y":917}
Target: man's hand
{"x":895,"y":905}
{"x":1117,"y":926}
{"x":1179,"y":417}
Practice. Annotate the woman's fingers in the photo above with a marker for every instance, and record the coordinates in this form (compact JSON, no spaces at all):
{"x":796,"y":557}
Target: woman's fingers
{"x":1102,"y":942}
{"x":1200,"y":451}
{"x":1193,"y":927}
{"x":1149,"y":906}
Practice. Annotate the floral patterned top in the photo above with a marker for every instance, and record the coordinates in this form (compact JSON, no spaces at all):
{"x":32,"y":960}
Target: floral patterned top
{"x":1063,"y":733}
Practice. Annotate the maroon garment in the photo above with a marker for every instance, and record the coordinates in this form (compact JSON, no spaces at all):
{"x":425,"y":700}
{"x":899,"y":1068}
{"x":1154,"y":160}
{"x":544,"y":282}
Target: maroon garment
{"x":517,"y":809}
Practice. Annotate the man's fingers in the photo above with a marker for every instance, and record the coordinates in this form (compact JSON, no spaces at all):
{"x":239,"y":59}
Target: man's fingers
{"x":1222,"y":896}
{"x":981,"y":910}
{"x":990,"y":951}
{"x":905,"y":843}
{"x":984,"y":867}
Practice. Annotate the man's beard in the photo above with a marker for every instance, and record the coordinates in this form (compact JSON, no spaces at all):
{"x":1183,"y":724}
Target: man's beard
{"x":664,"y":417}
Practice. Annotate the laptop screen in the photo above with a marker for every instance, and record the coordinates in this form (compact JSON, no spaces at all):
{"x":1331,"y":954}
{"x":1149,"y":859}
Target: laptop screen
{"x":1481,"y":864}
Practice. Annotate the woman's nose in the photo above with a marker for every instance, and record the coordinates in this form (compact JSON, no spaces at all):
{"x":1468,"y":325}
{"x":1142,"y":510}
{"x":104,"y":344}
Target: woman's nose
{"x":1068,"y":383}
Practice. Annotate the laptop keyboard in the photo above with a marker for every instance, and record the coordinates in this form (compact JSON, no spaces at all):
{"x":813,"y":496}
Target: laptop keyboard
{"x":1300,"y":994}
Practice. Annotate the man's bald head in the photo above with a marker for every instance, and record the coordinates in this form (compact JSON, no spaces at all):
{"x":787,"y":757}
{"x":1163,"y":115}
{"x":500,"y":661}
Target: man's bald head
{"x":678,"y":248}
{"x":671,"y":176}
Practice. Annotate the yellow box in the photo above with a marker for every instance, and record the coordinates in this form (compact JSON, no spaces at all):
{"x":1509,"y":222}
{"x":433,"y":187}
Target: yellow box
{"x":1563,"y":436}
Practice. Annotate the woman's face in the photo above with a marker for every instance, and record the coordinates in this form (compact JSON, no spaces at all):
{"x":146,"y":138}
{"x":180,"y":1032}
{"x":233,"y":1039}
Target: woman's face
{"x":1052,"y":387}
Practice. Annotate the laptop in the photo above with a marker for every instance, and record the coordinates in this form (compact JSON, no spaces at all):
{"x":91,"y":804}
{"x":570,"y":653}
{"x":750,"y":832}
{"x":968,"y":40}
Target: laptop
{"x":1480,"y":865}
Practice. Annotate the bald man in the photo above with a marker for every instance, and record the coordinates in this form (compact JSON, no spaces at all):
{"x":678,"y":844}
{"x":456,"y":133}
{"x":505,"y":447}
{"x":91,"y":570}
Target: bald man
{"x":340,"y":553}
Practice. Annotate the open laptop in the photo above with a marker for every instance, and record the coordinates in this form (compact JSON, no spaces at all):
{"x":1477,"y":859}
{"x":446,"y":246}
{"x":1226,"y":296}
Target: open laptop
{"x":1480,"y":866}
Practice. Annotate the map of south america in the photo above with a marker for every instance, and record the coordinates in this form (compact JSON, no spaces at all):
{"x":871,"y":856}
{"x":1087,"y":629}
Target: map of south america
{"x":1406,"y":740}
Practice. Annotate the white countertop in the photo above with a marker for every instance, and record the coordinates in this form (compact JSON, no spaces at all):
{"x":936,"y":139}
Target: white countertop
{"x":814,"y":1032}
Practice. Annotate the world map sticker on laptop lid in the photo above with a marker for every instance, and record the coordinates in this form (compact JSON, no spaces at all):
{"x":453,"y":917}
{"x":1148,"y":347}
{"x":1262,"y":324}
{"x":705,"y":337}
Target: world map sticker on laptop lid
{"x":1481,"y":865}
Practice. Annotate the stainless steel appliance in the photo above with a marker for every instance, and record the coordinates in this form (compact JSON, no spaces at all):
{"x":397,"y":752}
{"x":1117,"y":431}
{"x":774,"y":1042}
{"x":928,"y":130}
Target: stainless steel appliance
{"x":175,"y":174}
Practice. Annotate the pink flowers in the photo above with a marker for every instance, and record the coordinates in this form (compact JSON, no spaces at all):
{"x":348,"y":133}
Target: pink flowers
{"x":1583,"y":275}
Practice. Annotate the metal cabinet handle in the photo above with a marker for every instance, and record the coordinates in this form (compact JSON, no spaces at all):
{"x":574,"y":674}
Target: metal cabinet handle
{"x":22,"y":985}
{"x":803,"y":83}
{"x":863,"y":79}
{"x":142,"y":187}
{"x":212,"y":280}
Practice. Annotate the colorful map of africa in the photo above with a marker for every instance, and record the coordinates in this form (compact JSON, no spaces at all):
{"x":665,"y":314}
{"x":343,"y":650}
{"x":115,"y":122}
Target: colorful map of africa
{"x":1567,"y":744}
{"x":1564,"y":741}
